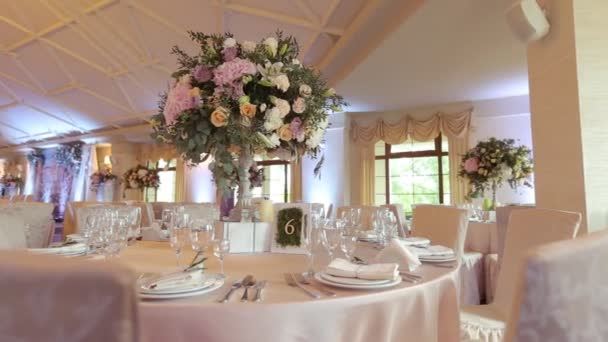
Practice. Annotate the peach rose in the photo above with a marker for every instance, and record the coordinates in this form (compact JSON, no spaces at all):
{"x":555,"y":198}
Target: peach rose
{"x":219,"y":117}
{"x":285,"y":133}
{"x":248,"y":110}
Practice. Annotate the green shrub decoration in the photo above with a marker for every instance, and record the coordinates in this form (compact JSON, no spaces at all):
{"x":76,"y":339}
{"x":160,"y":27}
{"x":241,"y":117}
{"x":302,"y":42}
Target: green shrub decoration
{"x":284,"y":239}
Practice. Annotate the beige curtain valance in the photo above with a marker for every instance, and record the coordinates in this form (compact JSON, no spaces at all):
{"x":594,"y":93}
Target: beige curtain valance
{"x":454,"y":126}
{"x":156,"y":152}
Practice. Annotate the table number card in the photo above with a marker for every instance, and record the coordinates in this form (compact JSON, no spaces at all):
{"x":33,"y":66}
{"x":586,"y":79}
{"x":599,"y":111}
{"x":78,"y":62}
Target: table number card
{"x":289,"y":220}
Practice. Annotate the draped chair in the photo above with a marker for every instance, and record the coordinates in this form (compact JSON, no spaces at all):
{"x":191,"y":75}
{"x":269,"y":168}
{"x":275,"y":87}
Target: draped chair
{"x":527,"y":229}
{"x":57,"y":299}
{"x":37,"y":220}
{"x":562,"y":294}
{"x":12,"y":232}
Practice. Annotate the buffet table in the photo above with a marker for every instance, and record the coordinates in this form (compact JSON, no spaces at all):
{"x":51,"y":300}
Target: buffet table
{"x":425,"y":311}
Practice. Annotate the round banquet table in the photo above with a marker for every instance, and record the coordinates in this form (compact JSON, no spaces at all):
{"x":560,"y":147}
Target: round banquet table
{"x":424,"y":312}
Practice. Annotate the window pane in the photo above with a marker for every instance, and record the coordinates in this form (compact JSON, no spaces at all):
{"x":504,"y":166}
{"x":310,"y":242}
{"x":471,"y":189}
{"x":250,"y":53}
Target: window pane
{"x":274,"y":183}
{"x":444,"y":144}
{"x":445,"y":165}
{"x":425,"y":166}
{"x":166,"y":190}
{"x":379,"y":148}
{"x":162,"y":164}
{"x":411,"y":146}
{"x":173,"y":163}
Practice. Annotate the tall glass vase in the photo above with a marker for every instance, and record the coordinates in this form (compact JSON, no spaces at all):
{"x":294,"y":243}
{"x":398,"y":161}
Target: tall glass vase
{"x":241,"y":211}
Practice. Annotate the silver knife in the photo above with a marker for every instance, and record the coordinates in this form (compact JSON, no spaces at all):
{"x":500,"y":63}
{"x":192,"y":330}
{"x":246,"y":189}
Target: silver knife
{"x":258,"y":290}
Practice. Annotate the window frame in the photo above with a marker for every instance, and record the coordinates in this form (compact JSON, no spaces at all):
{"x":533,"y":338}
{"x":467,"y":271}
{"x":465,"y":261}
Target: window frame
{"x":286,"y":164}
{"x":388,"y":155}
{"x":151,"y":164}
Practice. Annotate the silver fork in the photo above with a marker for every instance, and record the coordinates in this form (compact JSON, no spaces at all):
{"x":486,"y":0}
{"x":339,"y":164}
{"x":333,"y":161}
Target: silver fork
{"x":291,"y":282}
{"x":236,"y":285}
{"x":301,"y":279}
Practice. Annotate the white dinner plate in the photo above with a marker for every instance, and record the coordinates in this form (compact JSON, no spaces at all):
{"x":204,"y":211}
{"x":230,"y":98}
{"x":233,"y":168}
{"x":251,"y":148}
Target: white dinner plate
{"x":216,"y":285}
{"x":392,"y":283}
{"x":353,"y":281}
{"x":415,"y":241}
{"x":180,"y":283}
{"x":437,"y":258}
{"x":75,"y":249}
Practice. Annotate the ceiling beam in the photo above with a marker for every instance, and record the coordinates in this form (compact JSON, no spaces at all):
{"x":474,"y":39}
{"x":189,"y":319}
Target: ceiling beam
{"x":315,"y":35}
{"x":104,"y":133}
{"x":400,"y":15}
{"x":351,"y":30}
{"x":153,"y":15}
{"x":58,"y":25}
{"x":304,"y":6}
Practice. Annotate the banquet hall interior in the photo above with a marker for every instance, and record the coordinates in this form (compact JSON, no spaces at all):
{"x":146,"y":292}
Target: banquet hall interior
{"x":303,"y":170}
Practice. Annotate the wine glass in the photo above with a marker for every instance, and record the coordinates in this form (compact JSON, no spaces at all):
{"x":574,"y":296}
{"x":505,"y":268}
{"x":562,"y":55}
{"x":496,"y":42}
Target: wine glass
{"x":178,"y":234}
{"x":308,"y":241}
{"x":348,"y":245}
{"x":201,"y":234}
{"x":330,"y":237}
{"x":221,"y":247}
{"x":166,"y":219}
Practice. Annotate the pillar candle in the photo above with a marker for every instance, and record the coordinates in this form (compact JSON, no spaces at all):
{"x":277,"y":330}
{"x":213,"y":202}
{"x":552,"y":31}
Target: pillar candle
{"x":266,"y":211}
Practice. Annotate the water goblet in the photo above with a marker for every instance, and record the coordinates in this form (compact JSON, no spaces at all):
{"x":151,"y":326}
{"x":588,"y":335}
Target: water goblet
{"x":330,"y":237}
{"x":201,"y":234}
{"x":178,"y":234}
{"x":166,"y":219}
{"x":348,"y":245}
{"x":221,"y":247}
{"x":309,"y":242}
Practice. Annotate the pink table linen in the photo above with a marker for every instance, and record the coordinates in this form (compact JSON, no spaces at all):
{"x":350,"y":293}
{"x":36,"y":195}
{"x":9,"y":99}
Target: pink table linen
{"x":481,"y":237}
{"x":427,"y":311}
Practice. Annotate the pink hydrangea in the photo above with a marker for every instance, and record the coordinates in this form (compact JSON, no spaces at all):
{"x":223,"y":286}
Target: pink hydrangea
{"x":229,"y":53}
{"x":180,"y":98}
{"x":202,"y":74}
{"x":231,"y":71}
{"x":471,"y":165}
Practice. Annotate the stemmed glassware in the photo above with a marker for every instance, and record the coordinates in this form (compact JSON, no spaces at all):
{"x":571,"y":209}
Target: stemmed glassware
{"x":178,"y":234}
{"x":330,"y":237}
{"x":201,"y":235}
{"x":221,"y":247}
{"x":348,"y":245}
{"x":166,"y":219}
{"x":309,"y":242}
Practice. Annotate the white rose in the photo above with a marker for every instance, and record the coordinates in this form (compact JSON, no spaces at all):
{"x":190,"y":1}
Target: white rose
{"x":271,"y":45}
{"x":262,"y":107}
{"x":142,"y":173}
{"x":281,"y":105}
{"x":229,"y":42}
{"x":315,"y":138}
{"x":248,"y":46}
{"x":281,"y":82}
{"x":273,"y":119}
{"x":299,"y":105}
{"x":296,"y":61}
{"x":274,"y":140}
{"x":323,"y":124}
{"x":305,"y":90}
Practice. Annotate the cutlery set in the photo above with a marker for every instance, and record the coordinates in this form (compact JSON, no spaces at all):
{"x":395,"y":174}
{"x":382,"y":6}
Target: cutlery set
{"x":297,"y":280}
{"x":247,"y":283}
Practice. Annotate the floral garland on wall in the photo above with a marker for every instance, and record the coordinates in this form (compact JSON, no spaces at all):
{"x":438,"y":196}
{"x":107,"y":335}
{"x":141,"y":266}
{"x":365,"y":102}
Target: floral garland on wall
{"x":492,"y":162}
{"x":100,"y":178}
{"x":140,"y":177}
{"x":69,"y":154}
{"x":234,"y":99}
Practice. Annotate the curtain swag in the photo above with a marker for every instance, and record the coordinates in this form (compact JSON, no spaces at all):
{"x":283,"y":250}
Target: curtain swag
{"x":453,"y":126}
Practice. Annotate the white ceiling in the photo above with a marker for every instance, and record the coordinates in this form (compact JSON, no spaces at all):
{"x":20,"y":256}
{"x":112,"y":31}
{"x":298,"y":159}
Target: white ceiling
{"x":447,"y":51}
{"x":75,"y":68}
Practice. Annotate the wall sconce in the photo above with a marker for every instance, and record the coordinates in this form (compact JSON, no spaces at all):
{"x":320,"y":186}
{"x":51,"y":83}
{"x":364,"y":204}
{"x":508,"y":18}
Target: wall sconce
{"x":107,"y":161}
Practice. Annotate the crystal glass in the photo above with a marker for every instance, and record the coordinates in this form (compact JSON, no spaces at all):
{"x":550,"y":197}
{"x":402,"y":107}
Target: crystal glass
{"x":330,"y":237}
{"x":309,"y":241}
{"x":221,"y":247}
{"x":179,"y":234}
{"x":201,"y":234}
{"x":348,"y":245}
{"x":114,"y":237}
{"x":166,"y":219}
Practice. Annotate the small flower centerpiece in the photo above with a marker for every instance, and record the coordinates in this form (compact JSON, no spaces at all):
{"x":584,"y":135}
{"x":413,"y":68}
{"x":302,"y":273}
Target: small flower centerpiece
{"x":491,"y":163}
{"x":99,"y":178}
{"x":235,"y":99}
{"x":141,"y":177}
{"x":12,"y":183}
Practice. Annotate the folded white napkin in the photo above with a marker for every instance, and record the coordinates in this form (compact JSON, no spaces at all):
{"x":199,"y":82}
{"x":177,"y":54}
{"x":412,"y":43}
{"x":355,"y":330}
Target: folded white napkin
{"x":180,"y":281}
{"x":396,"y":252}
{"x":435,"y":250}
{"x":154,"y":234}
{"x":344,"y":268}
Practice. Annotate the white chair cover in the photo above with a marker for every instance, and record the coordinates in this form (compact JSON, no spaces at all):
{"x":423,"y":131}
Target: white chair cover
{"x":54,"y":299}
{"x":443,"y":225}
{"x":471,"y":278}
{"x":527,"y":229}
{"x":490,"y":270}
{"x":38,"y":220}
{"x":502,"y":222}
{"x":12,"y":231}
{"x":563,"y":295}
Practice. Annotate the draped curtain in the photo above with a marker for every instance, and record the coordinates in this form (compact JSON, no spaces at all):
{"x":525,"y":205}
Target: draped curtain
{"x":455,"y":127}
{"x":296,"y":181}
{"x":81,"y":177}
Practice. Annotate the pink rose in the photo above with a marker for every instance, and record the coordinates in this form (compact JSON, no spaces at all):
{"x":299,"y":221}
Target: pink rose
{"x":471,"y":165}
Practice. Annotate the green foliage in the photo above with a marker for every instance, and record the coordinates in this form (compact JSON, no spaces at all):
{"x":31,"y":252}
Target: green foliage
{"x":294,"y":217}
{"x":69,"y":154}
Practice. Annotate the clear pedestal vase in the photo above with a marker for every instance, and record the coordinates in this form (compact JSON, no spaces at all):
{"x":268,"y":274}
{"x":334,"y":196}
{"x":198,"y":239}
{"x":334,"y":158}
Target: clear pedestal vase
{"x":242,"y":211}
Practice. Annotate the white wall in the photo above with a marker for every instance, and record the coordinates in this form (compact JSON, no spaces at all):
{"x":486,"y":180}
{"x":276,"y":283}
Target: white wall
{"x":515,"y":126}
{"x":330,"y":187}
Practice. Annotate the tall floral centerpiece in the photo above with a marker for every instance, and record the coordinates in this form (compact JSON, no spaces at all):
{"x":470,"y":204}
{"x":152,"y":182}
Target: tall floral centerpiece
{"x":141,"y":177}
{"x":12,"y":184}
{"x":235,"y":99}
{"x":100,"y":178}
{"x":494,"y":161}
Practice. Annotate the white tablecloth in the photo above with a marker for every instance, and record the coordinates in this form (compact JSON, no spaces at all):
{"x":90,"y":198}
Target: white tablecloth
{"x":427,"y":311}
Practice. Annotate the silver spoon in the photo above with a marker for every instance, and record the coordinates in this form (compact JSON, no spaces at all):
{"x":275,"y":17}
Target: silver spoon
{"x":248,"y":283}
